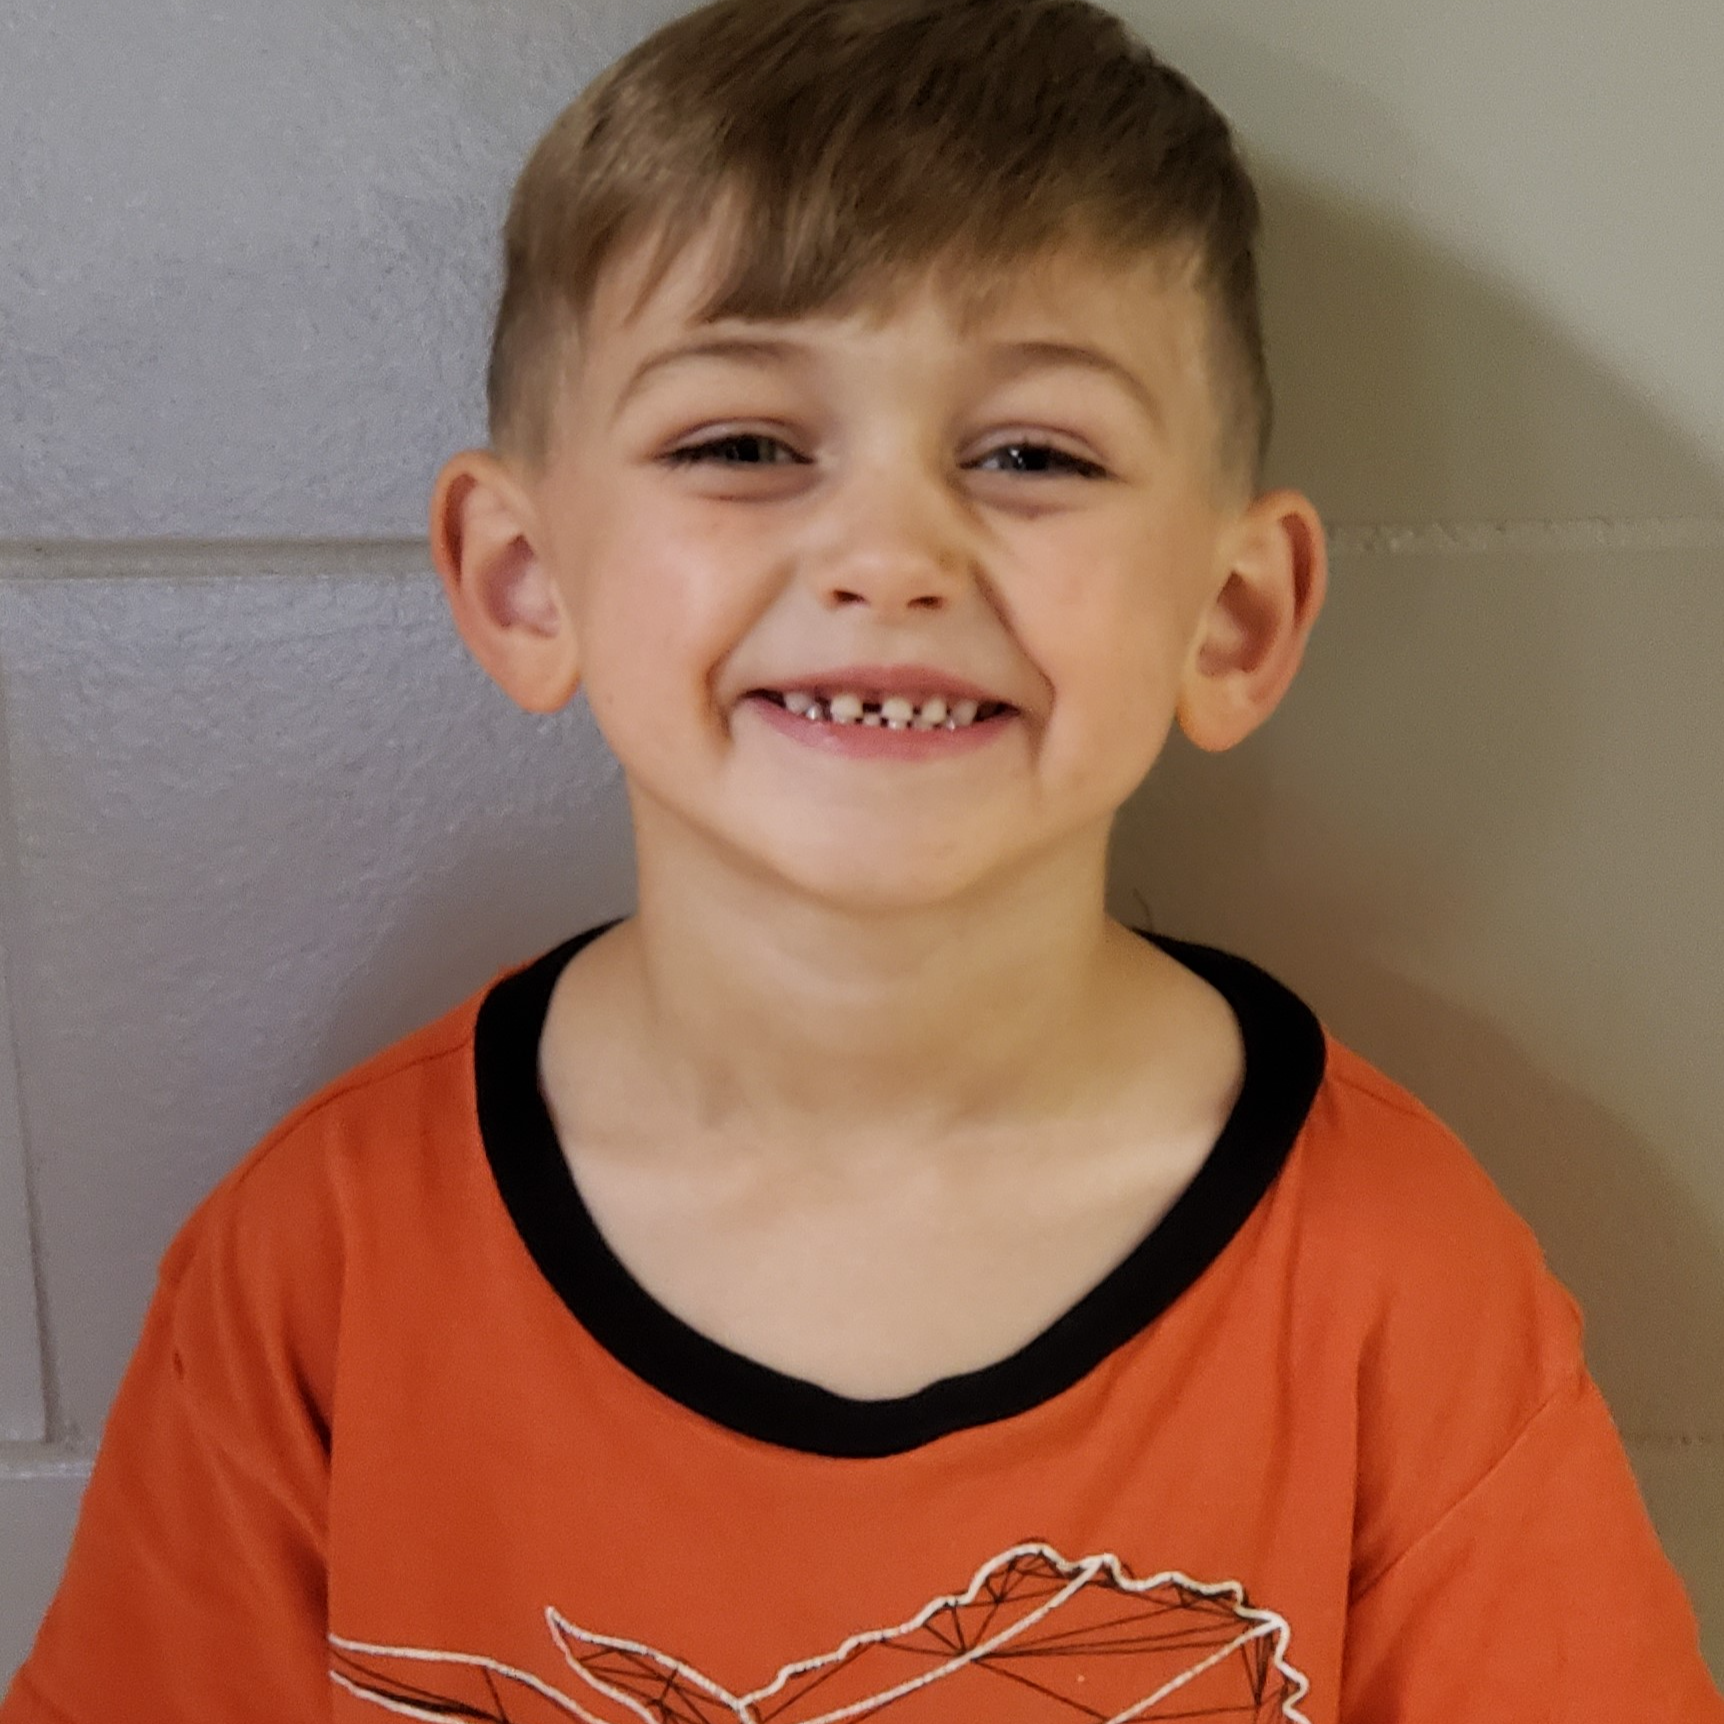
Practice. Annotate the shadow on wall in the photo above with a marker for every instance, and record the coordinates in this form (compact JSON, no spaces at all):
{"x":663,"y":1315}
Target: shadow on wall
{"x":1456,"y":729}
{"x":1405,"y":378}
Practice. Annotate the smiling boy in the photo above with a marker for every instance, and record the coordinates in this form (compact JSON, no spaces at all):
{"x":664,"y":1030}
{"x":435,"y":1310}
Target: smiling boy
{"x":868,"y":1281}
{"x":868,"y":996}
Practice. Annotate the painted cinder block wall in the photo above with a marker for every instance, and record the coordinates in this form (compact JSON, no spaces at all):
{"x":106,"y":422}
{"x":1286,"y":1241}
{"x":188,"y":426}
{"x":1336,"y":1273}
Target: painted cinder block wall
{"x":261,"y":816}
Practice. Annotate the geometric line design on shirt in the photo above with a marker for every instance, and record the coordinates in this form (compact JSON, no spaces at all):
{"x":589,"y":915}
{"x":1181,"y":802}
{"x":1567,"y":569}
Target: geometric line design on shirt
{"x":1033,"y":1639}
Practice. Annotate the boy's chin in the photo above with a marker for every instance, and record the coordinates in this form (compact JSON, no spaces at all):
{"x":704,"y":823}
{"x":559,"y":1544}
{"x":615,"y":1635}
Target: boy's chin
{"x":865,"y":881}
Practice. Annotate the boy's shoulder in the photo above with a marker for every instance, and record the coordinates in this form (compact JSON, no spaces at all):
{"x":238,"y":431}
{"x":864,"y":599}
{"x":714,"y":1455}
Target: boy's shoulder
{"x":352,"y":1146}
{"x":1376,"y":1192}
{"x":1427,"y":1293}
{"x":1386,"y":1168}
{"x":1392,"y":1192}
{"x":1430,"y":1281}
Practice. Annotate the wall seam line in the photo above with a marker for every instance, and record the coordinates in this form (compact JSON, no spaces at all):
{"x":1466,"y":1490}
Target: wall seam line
{"x":62,"y":558}
{"x":1482,"y":538}
{"x":55,"y":1429}
{"x":73,"y":559}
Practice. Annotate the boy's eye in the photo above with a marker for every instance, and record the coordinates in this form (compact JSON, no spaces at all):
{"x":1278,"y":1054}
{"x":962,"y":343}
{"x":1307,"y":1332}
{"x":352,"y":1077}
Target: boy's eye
{"x":746,"y":440}
{"x":1036,"y":458}
{"x":1030,"y":458}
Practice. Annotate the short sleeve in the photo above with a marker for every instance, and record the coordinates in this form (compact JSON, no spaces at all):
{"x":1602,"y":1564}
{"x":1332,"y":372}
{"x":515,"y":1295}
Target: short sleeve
{"x":1542,"y":1595}
{"x":195,"y":1589}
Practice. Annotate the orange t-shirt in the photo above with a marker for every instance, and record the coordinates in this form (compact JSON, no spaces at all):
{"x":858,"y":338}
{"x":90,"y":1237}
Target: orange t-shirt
{"x":402,"y":1436}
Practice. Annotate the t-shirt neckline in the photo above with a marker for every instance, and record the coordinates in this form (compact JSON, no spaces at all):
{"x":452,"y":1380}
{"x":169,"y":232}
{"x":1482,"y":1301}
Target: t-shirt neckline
{"x":1284,"y":1064}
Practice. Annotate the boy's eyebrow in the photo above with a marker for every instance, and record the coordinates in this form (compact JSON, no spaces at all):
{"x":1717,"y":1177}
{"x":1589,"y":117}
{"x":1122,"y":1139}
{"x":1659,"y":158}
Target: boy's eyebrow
{"x":713,"y":347}
{"x":1006,"y":359}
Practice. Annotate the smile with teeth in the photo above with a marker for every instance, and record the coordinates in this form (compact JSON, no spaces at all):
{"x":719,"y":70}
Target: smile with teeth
{"x":897,"y":712}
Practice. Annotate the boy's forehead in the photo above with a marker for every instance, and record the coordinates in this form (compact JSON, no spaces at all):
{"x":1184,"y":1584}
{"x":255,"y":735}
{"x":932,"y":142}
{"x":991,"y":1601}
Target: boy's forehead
{"x":1147,"y":305}
{"x":1142,"y":319}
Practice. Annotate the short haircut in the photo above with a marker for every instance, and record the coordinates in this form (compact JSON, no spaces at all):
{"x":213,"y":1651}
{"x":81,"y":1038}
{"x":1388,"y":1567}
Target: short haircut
{"x":863,"y":143}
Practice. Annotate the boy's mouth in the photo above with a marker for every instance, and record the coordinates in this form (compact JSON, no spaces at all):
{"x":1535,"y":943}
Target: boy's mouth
{"x":890,"y":712}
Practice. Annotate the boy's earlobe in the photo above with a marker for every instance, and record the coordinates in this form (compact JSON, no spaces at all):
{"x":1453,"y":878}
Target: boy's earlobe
{"x":1274,"y":576}
{"x":506,"y":605}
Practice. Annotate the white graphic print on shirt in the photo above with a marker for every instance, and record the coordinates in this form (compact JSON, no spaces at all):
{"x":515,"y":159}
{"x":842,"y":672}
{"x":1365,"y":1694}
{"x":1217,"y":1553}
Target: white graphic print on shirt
{"x":1033,"y":1639}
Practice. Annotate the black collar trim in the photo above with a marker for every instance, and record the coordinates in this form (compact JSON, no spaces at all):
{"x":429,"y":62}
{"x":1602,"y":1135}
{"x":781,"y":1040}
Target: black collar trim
{"x":1284,"y":1063}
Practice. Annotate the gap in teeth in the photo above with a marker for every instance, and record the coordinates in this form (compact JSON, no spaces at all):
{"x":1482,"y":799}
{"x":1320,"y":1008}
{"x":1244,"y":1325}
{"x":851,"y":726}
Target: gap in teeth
{"x":893,"y":712}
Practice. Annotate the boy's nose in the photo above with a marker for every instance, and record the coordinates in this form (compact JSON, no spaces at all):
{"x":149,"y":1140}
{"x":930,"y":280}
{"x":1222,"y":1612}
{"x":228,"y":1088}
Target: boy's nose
{"x":894,"y":542}
{"x":888,"y":582}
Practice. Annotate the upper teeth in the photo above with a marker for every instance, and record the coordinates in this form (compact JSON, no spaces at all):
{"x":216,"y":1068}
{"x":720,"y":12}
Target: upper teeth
{"x":897,"y":712}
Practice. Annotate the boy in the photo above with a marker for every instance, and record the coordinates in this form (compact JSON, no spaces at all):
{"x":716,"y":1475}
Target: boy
{"x":868,"y":1281}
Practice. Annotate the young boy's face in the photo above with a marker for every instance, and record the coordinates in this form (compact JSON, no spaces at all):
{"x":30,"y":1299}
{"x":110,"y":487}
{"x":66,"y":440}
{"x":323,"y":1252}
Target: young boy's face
{"x":1032,"y":505}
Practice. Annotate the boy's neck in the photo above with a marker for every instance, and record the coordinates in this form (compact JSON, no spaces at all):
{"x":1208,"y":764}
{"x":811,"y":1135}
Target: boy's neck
{"x":800,"y":1030}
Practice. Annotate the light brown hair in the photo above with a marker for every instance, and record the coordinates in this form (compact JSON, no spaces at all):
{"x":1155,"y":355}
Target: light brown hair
{"x":861,"y":143}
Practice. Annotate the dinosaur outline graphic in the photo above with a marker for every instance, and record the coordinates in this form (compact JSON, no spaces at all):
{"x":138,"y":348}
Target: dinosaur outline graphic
{"x":1007,"y":1623}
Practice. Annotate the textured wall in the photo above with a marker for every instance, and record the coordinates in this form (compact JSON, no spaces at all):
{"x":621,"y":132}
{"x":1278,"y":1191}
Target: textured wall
{"x":262,"y":815}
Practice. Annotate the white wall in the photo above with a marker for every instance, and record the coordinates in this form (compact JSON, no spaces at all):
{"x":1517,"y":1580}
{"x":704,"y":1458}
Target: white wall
{"x":262,"y":815}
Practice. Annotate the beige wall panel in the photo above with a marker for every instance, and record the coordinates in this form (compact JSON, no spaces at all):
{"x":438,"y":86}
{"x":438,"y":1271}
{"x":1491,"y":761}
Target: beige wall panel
{"x":1493,"y":273}
{"x":270,"y":817}
{"x":1683,"y":1484}
{"x":251,"y":247}
{"x":1483,"y":837}
{"x":254,"y":305}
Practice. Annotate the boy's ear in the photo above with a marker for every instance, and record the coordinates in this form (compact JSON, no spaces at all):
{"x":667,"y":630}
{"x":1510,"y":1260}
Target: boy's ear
{"x":510,"y":612}
{"x":1274,"y":571}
